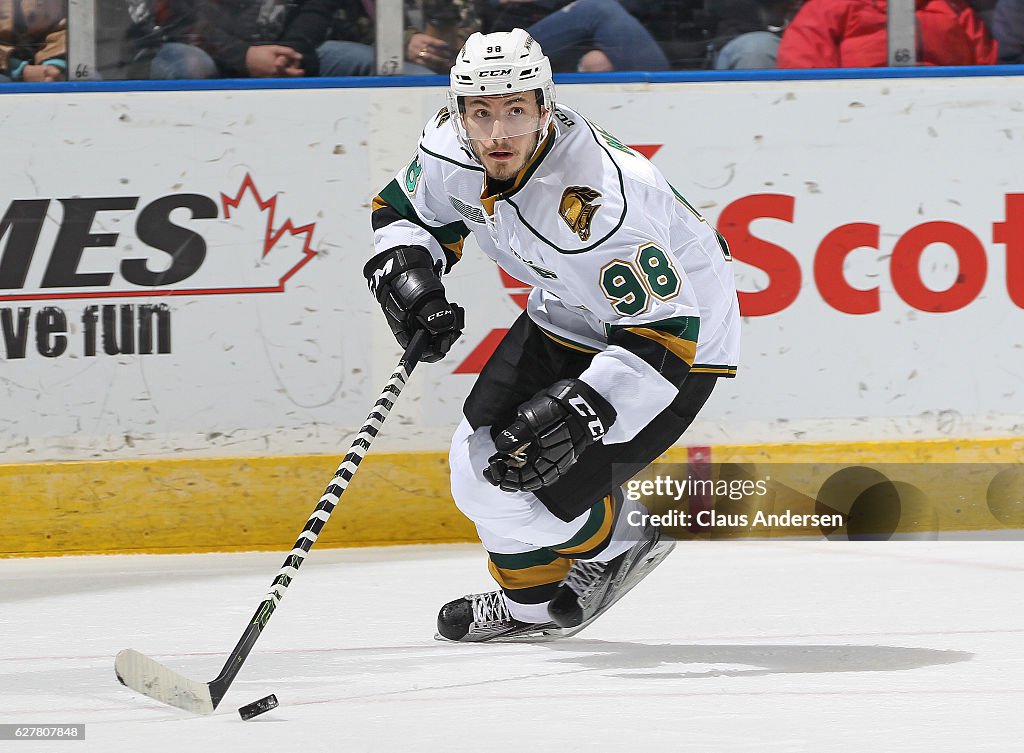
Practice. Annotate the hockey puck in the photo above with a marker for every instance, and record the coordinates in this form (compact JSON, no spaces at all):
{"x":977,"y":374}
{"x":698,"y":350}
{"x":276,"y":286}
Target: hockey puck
{"x":258,"y":707}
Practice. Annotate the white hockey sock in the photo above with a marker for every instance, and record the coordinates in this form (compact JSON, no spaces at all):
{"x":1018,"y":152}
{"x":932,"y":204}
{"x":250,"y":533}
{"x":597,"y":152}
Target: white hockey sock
{"x":527,"y":612}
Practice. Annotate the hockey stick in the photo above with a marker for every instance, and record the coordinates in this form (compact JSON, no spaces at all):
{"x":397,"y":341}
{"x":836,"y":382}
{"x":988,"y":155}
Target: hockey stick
{"x":149,"y":677}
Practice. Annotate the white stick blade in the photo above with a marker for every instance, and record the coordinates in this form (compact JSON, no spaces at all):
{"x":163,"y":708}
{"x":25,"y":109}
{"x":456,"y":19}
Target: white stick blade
{"x":144,"y":675}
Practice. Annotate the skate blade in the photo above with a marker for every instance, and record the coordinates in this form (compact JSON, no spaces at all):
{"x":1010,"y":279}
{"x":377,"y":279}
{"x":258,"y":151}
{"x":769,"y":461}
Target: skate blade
{"x":536,"y":636}
{"x":654,"y":557}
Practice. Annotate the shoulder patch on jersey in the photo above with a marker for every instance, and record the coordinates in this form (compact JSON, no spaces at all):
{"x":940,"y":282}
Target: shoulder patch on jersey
{"x":442,"y":116}
{"x":577,"y":210}
{"x":471,"y":213}
{"x":412,"y":176}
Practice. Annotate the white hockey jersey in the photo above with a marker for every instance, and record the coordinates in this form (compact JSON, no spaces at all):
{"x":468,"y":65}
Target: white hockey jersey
{"x":621,"y":264}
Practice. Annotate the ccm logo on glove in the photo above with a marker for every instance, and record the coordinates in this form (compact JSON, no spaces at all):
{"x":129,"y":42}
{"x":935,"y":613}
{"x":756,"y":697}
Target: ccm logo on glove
{"x":583,"y":408}
{"x":405,"y":282}
{"x":552,"y":429}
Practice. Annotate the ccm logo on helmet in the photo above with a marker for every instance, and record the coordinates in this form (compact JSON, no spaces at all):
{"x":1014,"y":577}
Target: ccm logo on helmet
{"x":496,"y":73}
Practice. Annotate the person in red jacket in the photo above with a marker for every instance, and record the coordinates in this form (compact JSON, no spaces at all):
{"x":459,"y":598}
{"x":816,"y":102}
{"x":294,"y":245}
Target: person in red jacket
{"x":852,"y":34}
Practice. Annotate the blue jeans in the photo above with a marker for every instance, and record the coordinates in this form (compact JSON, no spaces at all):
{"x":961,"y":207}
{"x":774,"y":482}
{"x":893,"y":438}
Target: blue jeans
{"x":353,"y":59}
{"x":176,"y":60}
{"x":567,"y":34}
{"x":753,"y":50}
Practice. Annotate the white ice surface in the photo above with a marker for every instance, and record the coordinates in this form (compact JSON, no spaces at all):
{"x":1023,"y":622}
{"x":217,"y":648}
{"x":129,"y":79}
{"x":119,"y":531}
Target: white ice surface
{"x":743,"y":646}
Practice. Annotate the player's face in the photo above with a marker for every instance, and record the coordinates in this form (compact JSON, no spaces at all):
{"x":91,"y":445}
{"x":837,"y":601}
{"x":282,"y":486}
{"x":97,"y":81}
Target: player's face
{"x":503,"y":131}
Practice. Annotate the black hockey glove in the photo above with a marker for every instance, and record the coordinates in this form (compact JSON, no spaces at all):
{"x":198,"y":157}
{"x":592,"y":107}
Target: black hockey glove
{"x":406,"y":284}
{"x":551,"y":431}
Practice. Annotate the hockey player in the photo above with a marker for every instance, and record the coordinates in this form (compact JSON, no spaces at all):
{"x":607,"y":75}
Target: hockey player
{"x":632,"y":319}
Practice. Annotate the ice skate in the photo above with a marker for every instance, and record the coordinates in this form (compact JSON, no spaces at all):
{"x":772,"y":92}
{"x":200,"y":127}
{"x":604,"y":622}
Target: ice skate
{"x":591,"y":587}
{"x":485,"y":617}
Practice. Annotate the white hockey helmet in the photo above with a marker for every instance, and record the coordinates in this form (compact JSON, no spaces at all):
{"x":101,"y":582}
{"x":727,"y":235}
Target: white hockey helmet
{"x":503,"y":62}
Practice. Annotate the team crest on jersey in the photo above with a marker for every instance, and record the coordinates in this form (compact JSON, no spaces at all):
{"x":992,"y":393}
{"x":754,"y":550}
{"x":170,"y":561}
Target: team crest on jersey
{"x":442,"y":116}
{"x":577,"y":210}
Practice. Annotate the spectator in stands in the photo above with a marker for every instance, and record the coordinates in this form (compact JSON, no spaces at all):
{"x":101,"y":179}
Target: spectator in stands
{"x":747,"y":33}
{"x":721,"y":34}
{"x":33,"y":40}
{"x":1008,"y":28}
{"x":353,"y":36}
{"x":249,"y":38}
{"x":597,"y":35}
{"x":680,"y":27}
{"x":852,"y":34}
{"x":585,"y":35}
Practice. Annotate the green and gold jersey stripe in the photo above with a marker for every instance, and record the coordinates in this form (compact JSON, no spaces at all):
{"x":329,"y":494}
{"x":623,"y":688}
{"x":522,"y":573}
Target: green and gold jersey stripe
{"x":523,"y":560}
{"x":595,"y":531}
{"x":451,"y":236}
{"x":677,"y":334}
{"x":685,"y":327}
{"x":529,"y":577}
{"x":454,"y":248}
{"x":684,"y":350}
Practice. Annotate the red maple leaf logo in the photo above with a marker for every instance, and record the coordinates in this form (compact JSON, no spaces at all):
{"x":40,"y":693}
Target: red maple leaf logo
{"x":271,"y":236}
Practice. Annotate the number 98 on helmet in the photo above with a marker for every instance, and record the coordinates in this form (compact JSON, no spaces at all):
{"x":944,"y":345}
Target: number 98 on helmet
{"x":499,"y":64}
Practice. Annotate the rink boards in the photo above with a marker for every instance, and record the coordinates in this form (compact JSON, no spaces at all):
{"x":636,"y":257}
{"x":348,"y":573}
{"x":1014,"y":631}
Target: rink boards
{"x":249,"y":504}
{"x":188,"y":345}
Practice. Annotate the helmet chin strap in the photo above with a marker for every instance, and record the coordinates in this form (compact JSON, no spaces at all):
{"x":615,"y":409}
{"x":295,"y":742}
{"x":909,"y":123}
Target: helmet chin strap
{"x":542,"y":132}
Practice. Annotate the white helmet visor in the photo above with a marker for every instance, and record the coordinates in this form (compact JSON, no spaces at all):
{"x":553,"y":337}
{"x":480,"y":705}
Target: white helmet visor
{"x":502,"y":116}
